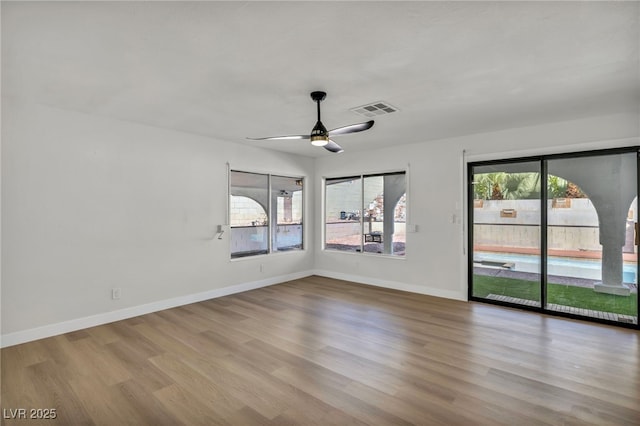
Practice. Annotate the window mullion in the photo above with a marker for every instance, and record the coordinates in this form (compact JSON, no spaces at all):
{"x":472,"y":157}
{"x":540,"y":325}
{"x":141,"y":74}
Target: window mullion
{"x":270,"y":215}
{"x":361,"y":213}
{"x":544,"y":222}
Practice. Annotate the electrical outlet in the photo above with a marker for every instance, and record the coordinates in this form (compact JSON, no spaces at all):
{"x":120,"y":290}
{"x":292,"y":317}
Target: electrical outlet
{"x":261,"y":267}
{"x":116,"y":293}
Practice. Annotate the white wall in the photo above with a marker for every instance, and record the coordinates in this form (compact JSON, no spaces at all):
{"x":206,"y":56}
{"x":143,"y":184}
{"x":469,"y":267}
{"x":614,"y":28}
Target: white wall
{"x":435,"y":261}
{"x":91,"y":203}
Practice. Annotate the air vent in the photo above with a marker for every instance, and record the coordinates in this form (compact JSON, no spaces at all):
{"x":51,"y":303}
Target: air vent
{"x":375,"y":108}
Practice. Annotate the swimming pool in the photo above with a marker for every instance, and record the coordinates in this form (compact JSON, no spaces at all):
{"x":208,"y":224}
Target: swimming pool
{"x":562,"y":266}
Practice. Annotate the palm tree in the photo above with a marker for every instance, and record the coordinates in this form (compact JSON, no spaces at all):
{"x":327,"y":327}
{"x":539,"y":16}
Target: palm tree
{"x":556,"y":187}
{"x":510,"y":186}
{"x":521,"y":186}
{"x":488,"y":186}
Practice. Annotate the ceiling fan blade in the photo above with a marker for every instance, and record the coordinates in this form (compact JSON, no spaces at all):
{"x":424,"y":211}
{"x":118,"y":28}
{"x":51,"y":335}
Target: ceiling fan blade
{"x":290,"y":137}
{"x":333,"y":147}
{"x":352,"y":128}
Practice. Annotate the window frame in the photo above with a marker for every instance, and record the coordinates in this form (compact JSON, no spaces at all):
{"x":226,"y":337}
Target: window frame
{"x":271,"y":227}
{"x":543,"y":159}
{"x":362,"y":177}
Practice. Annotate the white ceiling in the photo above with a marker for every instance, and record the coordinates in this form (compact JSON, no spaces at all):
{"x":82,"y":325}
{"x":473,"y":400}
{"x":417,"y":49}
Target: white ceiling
{"x":230,"y":70}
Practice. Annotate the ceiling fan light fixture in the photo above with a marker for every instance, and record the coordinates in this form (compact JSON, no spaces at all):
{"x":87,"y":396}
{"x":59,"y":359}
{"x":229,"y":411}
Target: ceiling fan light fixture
{"x":319,"y":140}
{"x":319,"y":134}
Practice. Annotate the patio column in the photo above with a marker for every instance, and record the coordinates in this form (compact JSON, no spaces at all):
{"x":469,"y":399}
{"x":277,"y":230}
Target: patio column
{"x":394,"y":189}
{"x":612,"y":238}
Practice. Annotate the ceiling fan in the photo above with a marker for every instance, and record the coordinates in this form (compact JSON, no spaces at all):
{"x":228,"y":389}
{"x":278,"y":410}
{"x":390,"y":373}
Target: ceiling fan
{"x":319,"y":135}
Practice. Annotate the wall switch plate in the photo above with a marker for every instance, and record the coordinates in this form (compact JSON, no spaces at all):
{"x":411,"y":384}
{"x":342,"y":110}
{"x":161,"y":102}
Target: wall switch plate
{"x":221,"y":229}
{"x":116,"y":293}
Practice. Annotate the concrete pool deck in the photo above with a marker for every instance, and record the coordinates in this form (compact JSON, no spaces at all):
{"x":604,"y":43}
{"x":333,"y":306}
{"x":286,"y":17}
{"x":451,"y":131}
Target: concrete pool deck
{"x":579,"y":254}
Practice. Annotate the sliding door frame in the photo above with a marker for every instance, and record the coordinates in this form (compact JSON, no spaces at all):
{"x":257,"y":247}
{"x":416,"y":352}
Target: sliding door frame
{"x":543,"y":160}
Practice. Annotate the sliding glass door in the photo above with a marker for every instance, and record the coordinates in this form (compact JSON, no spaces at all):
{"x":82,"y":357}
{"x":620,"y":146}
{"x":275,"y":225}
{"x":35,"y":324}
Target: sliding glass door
{"x":506,"y":232}
{"x":576,"y":252}
{"x":592,"y":259}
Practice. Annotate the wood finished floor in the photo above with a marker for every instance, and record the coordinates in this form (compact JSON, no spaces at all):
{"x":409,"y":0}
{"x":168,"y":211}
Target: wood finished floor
{"x":320,"y":351}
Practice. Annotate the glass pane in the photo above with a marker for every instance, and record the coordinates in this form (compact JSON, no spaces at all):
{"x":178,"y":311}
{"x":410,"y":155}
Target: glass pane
{"x":287,"y":204}
{"x":248,"y":214}
{"x":384,"y":214}
{"x":592,"y":254}
{"x":343,"y":200}
{"x":506,"y":232}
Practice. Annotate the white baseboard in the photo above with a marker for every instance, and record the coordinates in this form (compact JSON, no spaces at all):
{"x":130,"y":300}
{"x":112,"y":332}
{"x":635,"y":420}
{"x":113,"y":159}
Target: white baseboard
{"x":37,"y":333}
{"x":411,"y":288}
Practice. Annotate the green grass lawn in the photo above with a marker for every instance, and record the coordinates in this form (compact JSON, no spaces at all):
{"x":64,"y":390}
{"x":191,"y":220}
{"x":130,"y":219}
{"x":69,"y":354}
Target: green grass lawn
{"x":566,"y":295}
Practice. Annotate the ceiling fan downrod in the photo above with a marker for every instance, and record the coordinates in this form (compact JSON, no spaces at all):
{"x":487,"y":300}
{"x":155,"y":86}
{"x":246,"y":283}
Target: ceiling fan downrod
{"x":319,"y":134}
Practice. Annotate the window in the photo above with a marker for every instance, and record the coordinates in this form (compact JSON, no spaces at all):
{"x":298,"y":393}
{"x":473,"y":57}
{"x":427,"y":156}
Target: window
{"x":366,"y":213}
{"x":287,"y":193}
{"x":265,"y":213}
{"x":343,"y":229}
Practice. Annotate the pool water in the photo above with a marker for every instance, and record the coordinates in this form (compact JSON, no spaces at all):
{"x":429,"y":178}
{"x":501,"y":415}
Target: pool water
{"x":562,"y":266}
